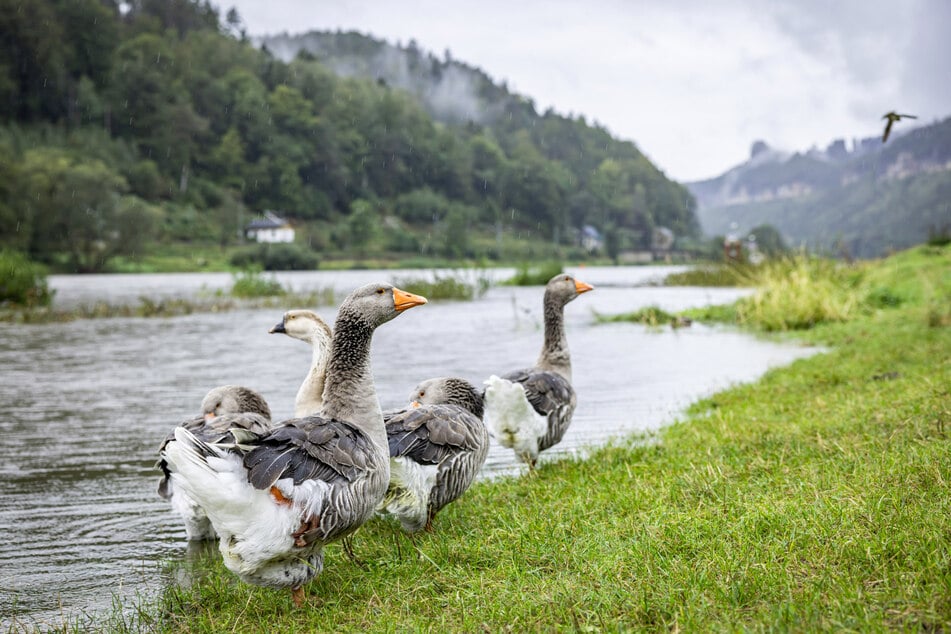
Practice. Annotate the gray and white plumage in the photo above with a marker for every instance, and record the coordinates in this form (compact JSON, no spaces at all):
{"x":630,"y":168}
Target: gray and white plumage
{"x":309,"y":327}
{"x":223,"y":408}
{"x":530,"y":410}
{"x":437,"y":447}
{"x":310,"y":480}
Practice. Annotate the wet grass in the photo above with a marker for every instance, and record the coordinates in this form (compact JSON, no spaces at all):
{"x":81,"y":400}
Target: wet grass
{"x":534,"y":274}
{"x":169,"y":307}
{"x":818,"y":498}
{"x":651,"y":316}
{"x":458,"y":285}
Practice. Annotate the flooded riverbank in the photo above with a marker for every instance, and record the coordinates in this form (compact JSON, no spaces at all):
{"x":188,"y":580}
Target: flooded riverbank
{"x":86,"y":404}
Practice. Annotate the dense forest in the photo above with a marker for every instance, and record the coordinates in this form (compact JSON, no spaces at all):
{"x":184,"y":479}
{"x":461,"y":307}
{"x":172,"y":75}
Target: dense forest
{"x":157,"y":123}
{"x":856,"y":202}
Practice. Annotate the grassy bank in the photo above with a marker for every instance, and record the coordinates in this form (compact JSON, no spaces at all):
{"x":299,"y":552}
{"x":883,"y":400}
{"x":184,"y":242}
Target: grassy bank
{"x":817,"y":498}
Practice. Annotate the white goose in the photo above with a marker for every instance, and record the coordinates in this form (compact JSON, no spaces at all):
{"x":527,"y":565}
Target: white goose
{"x":223,"y":408}
{"x":530,"y":410}
{"x":309,"y":327}
{"x":309,"y":481}
{"x":437,"y":447}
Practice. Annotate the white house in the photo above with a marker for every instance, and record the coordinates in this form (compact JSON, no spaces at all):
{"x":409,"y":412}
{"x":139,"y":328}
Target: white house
{"x":272,"y":228}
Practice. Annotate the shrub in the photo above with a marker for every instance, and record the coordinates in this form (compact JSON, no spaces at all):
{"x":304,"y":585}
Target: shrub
{"x":22,"y":281}
{"x":535,"y":274}
{"x":800,"y":292}
{"x":276,"y":257}
{"x":253,"y":284}
{"x":445,"y":287}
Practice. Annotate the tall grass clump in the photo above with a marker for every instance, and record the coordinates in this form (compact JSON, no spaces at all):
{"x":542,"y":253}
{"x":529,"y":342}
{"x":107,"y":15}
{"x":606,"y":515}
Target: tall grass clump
{"x":714,"y":275}
{"x":445,"y":286}
{"x":535,"y":274}
{"x":22,"y":281}
{"x":799,"y":292}
{"x":253,"y":284}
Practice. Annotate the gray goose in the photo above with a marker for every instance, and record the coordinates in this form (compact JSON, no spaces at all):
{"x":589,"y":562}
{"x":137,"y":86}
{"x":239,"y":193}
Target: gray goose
{"x":310,"y":480}
{"x":530,"y":410}
{"x":309,"y":327}
{"x":223,"y":408}
{"x":437,"y":447}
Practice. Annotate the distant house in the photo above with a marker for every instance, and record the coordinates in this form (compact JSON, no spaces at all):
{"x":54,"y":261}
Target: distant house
{"x":271,"y":228}
{"x":591,"y":239}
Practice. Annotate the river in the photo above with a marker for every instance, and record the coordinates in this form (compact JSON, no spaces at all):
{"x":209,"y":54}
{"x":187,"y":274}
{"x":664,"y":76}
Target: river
{"x":86,"y":403}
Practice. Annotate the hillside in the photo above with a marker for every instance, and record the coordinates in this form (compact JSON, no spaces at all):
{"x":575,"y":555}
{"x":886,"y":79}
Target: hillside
{"x":863,"y":201}
{"x":161,"y":127}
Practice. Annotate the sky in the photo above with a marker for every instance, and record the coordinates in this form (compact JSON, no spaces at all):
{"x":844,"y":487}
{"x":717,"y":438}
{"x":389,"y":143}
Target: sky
{"x":692,"y":82}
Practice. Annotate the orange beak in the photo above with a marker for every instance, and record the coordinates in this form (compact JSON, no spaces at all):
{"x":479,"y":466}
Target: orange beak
{"x":582,"y":287}
{"x":403,"y":300}
{"x":210,"y":416}
{"x":414,"y":404}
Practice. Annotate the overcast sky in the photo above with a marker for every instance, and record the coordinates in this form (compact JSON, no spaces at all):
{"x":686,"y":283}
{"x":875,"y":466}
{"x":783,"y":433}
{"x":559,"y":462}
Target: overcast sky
{"x":692,"y":82}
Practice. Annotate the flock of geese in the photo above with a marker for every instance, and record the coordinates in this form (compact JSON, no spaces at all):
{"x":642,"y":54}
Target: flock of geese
{"x":274,"y":493}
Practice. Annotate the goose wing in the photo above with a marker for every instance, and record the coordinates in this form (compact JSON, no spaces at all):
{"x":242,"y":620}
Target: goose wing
{"x":309,"y":448}
{"x":429,"y":434}
{"x":546,"y":391}
{"x":216,"y":431}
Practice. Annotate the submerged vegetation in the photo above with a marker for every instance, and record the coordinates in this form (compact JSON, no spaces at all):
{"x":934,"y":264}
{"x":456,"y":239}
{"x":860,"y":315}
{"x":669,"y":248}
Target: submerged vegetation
{"x":253,"y":284}
{"x":22,"y":282}
{"x":818,"y":498}
{"x":446,"y":286}
{"x":536,"y":274}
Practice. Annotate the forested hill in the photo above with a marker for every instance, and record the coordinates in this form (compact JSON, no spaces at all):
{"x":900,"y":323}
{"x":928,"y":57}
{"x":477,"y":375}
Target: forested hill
{"x":161,"y":124}
{"x":861,"y":200}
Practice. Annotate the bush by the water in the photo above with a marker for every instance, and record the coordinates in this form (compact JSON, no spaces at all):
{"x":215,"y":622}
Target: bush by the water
{"x":253,"y":284}
{"x":652,"y":316}
{"x":535,"y":274}
{"x":713,"y":275}
{"x":445,"y":286}
{"x":22,"y":281}
{"x":276,"y":257}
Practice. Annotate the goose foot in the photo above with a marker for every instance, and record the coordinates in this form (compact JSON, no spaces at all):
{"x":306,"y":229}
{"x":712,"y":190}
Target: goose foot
{"x":297,"y":595}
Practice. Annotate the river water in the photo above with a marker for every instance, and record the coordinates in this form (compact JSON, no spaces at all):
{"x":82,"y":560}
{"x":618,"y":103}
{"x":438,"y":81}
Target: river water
{"x":85,"y":404}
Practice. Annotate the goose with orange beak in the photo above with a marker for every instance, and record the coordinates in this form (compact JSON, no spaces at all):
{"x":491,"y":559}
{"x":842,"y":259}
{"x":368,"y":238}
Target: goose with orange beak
{"x":276,"y":501}
{"x":530,"y":410}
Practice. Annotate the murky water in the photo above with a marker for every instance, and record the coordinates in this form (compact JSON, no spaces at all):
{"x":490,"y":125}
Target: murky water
{"x":85,"y":404}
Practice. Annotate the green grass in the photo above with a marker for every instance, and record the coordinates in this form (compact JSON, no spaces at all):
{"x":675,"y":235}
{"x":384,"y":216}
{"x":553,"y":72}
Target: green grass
{"x":652,"y":316}
{"x":255,"y":284}
{"x":818,"y":498}
{"x":535,"y":274}
{"x":446,"y":286}
{"x":714,"y":275}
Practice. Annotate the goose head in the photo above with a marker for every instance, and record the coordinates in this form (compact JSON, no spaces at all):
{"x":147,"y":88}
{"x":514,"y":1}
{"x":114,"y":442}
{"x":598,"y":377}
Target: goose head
{"x":563,"y":288}
{"x":448,"y":391}
{"x":233,"y":399}
{"x":375,"y":304}
{"x":305,"y":325}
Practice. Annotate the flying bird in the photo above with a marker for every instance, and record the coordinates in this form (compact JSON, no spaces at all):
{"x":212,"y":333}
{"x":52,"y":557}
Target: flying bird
{"x":892,"y":118}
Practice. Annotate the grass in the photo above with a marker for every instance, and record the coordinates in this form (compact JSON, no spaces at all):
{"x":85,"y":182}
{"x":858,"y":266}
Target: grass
{"x":818,"y":498}
{"x":446,"y":286}
{"x":254,"y":284}
{"x":714,"y":275}
{"x":652,"y":316}
{"x":535,"y":274}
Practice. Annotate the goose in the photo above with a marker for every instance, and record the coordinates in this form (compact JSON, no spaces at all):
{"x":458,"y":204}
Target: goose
{"x":223,"y":408}
{"x":530,"y":410}
{"x":308,"y":326}
{"x":310,"y":480}
{"x":437,"y":447}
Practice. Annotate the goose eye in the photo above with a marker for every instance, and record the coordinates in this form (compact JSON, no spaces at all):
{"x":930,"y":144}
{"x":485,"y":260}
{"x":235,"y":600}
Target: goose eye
{"x":422,"y":394}
{"x":380,"y":291}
